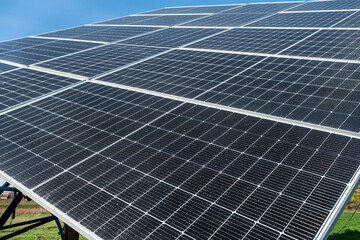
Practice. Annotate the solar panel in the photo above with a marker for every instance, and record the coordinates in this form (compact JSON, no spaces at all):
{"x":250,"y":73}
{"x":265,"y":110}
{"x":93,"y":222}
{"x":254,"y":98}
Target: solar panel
{"x":264,"y":8}
{"x":116,"y":33}
{"x":350,"y":22}
{"x":328,"y":5}
{"x":126,"y":20}
{"x":254,"y":40}
{"x":18,"y":44}
{"x":202,"y":170}
{"x":168,"y":20}
{"x":339,"y":44}
{"x":199,"y":9}
{"x":216,"y":130}
{"x":172,"y":37}
{"x":303,"y":19}
{"x":73,"y":32}
{"x":304,"y":90}
{"x":39,"y":53}
{"x":6,"y":67}
{"x":226,"y":20}
{"x":99,"y":60}
{"x":23,"y":85}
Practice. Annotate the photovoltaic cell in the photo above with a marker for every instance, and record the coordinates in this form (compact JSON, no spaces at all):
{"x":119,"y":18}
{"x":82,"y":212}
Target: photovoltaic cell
{"x":73,"y":32}
{"x":22,"y":85}
{"x":328,"y":5}
{"x":115,"y":33}
{"x":100,"y":60}
{"x":147,"y":188}
{"x":350,"y":22}
{"x":18,"y":44}
{"x":168,"y":20}
{"x":303,"y":19}
{"x":6,"y":67}
{"x":339,"y":44}
{"x":226,"y":20}
{"x":254,"y":40}
{"x":172,"y":37}
{"x":126,"y":20}
{"x":38,"y":53}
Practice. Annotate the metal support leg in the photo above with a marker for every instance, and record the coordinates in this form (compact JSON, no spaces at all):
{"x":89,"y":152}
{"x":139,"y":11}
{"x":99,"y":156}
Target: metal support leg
{"x":61,"y":231}
{"x":10,"y":209}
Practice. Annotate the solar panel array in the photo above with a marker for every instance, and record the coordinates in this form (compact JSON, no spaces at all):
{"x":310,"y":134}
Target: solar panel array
{"x":205,"y":122}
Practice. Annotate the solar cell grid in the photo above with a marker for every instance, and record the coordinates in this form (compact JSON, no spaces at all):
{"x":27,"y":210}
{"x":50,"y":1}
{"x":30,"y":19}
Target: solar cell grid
{"x":6,"y":67}
{"x":317,"y":92}
{"x":18,"y":44}
{"x":172,"y":37}
{"x":126,"y":20}
{"x":303,"y":19}
{"x":184,"y":73}
{"x":328,"y":5}
{"x":339,"y":44}
{"x":99,"y":60}
{"x":38,"y":53}
{"x":351,"y":22}
{"x":226,"y":20}
{"x":73,"y":32}
{"x":149,"y":167}
{"x":135,"y":175}
{"x":199,"y":9}
{"x":263,"y":8}
{"x":22,"y":85}
{"x":168,"y":20}
{"x":254,"y":40}
{"x":116,"y":33}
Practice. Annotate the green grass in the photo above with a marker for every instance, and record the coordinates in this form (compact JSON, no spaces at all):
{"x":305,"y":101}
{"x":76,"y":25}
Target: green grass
{"x":350,"y":232}
{"x":44,"y":232}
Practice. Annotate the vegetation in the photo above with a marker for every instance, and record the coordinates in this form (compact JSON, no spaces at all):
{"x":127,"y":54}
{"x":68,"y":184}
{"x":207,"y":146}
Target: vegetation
{"x":28,"y":211}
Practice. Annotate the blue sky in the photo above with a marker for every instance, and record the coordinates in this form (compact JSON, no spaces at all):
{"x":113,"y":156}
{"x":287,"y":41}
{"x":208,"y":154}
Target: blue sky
{"x":20,"y":18}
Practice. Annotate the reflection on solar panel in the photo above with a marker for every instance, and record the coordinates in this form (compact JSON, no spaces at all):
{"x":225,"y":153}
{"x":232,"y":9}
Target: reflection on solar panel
{"x":172,"y":37}
{"x":254,"y":40}
{"x":5,"y":67}
{"x":38,"y":53}
{"x":303,"y":19}
{"x":198,"y":132}
{"x":99,"y":60}
{"x":24,"y":84}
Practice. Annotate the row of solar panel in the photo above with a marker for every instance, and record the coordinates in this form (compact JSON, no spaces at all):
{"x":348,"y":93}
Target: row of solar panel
{"x":206,"y":167}
{"x":336,"y":19}
{"x":293,"y":88}
{"x":254,"y":8}
{"x":334,"y":44}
